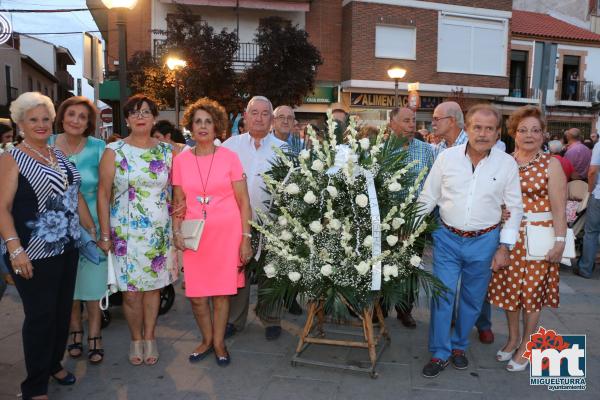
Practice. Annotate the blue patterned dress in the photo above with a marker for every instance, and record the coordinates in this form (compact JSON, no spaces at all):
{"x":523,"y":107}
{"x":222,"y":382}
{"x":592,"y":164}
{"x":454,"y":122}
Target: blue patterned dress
{"x":139,"y":216}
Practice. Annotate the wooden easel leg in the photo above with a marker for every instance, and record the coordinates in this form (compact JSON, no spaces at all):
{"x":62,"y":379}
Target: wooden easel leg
{"x":312,"y":309}
{"x":369,"y":335}
{"x":382,"y":328}
{"x":321,"y":318}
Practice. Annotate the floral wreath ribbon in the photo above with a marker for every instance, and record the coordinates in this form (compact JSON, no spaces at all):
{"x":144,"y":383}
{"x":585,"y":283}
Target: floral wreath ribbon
{"x":342,"y":156}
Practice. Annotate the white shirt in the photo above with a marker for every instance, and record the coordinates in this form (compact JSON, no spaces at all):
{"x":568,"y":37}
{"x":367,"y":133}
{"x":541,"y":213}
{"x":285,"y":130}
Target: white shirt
{"x":471,"y":200}
{"x":255,"y":162}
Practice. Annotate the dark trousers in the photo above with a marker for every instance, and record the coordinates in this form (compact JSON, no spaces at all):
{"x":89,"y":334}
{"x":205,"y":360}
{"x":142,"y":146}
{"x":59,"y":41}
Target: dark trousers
{"x":47,"y":300}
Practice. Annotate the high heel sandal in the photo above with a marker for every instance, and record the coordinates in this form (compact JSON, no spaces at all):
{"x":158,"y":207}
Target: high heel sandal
{"x":136,"y":352}
{"x":75,"y":345}
{"x":514,"y":366}
{"x":502,"y":356}
{"x":95,"y":351}
{"x":150,"y":352}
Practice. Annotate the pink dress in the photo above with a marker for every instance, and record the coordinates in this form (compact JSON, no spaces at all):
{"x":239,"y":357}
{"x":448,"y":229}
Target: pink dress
{"x":212,"y":270}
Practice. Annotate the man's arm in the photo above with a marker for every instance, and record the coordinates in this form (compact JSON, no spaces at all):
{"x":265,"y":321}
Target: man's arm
{"x":514,"y":204}
{"x":432,"y":189}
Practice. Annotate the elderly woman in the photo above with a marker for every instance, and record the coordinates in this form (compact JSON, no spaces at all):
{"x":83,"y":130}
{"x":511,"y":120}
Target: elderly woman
{"x":210,"y":181}
{"x":40,"y":210}
{"x":133,"y":201}
{"x":525,"y":286}
{"x":76,"y":119}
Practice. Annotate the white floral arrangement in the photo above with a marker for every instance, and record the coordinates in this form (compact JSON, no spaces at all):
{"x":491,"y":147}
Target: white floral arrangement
{"x":344,"y":224}
{"x":6,"y":147}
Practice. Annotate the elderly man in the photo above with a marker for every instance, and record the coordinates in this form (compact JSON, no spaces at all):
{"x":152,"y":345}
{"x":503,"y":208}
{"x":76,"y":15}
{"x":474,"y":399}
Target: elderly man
{"x":469,"y":183}
{"x":578,"y":153}
{"x":283,"y":126}
{"x":402,"y":124}
{"x":255,"y":150}
{"x":448,"y":123}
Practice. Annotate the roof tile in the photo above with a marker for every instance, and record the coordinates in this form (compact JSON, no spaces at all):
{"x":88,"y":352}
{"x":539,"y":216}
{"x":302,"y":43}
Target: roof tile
{"x":535,"y":24}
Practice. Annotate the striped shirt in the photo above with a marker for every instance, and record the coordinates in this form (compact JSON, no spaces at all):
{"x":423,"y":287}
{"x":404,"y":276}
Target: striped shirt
{"x":441,"y":146}
{"x":44,"y":210}
{"x":422,"y":152}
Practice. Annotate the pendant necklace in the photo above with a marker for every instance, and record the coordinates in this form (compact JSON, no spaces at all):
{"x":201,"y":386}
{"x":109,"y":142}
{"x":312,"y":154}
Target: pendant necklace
{"x":204,"y":200}
{"x":52,"y":163}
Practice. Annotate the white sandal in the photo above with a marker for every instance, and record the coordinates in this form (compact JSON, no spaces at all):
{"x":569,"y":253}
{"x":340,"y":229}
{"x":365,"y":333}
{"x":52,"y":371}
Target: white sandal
{"x":502,"y":356}
{"x":514,"y":366}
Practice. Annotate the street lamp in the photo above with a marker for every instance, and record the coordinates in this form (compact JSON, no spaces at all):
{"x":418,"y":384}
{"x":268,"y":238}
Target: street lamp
{"x":396,"y":72}
{"x":121,"y":6}
{"x":174,"y":63}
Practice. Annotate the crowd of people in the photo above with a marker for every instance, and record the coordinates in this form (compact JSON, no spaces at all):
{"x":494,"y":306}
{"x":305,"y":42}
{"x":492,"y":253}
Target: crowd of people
{"x":133,"y":196}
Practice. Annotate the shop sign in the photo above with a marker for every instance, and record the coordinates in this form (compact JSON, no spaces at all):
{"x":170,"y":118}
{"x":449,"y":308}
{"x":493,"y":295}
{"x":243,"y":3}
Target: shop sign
{"x":321,"y":95}
{"x":387,"y":101}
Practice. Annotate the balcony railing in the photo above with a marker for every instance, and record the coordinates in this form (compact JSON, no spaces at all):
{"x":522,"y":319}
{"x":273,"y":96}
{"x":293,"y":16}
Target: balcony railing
{"x":245,"y":54}
{"x":523,"y":92}
{"x":65,"y":80}
{"x":577,"y":90}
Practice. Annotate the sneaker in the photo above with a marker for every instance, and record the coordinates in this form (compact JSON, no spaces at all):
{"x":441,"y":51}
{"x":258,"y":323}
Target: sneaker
{"x":459,"y":360}
{"x":486,"y":336}
{"x":434,"y":367}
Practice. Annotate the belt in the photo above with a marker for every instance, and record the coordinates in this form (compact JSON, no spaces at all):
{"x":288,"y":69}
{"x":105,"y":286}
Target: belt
{"x":470,"y":234}
{"x":538,"y":217}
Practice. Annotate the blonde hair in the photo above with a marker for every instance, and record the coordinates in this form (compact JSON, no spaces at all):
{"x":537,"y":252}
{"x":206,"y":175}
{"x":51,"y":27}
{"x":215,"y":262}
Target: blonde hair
{"x":28,"y":101}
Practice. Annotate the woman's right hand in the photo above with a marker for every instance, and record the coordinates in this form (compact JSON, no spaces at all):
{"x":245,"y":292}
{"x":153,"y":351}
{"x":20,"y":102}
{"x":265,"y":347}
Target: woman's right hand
{"x":105,"y":246}
{"x":22,"y":266}
{"x":179,"y":242}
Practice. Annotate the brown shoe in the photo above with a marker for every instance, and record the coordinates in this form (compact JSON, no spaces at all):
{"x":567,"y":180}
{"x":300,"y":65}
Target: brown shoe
{"x":486,"y":336}
{"x":407,"y":320}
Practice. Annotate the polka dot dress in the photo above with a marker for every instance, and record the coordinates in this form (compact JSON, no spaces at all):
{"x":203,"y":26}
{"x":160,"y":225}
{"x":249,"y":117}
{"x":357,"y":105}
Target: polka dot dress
{"x":528,"y":285}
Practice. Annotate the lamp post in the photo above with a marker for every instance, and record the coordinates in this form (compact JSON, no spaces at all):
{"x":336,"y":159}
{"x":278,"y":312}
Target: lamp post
{"x":396,"y":72}
{"x":174,"y":63}
{"x":120,"y":7}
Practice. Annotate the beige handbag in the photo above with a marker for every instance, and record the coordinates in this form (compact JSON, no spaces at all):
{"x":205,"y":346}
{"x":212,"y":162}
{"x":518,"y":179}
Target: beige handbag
{"x":191,"y":230}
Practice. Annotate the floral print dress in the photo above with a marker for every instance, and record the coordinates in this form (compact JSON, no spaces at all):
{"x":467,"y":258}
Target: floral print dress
{"x":139,"y":216}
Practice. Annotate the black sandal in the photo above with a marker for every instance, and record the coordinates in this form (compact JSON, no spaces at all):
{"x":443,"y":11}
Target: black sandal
{"x":75,"y":345}
{"x":95,"y":351}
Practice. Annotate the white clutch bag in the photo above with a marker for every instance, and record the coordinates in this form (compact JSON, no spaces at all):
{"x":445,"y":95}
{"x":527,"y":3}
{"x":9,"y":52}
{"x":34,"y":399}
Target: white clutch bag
{"x":111,"y":281}
{"x":191,"y":230}
{"x":540,"y":239}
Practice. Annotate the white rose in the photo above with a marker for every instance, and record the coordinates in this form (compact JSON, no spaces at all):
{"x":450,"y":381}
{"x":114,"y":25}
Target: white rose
{"x":390,"y":270}
{"x":316,"y":226}
{"x":304,"y":154}
{"x":364,"y":143}
{"x":270,"y":271}
{"x":294,"y":276}
{"x":394,"y":187}
{"x":286,"y":235}
{"x":309,"y":197}
{"x":326,"y":270}
{"x":368,"y":242}
{"x":317,"y":165}
{"x":415,"y":260}
{"x":391,"y":240}
{"x":397,"y":223}
{"x":282,"y":220}
{"x":362,"y":267}
{"x":362,"y":200}
{"x":335,"y":224}
{"x":292,"y":189}
{"x":332,"y":191}
{"x":385,"y":227}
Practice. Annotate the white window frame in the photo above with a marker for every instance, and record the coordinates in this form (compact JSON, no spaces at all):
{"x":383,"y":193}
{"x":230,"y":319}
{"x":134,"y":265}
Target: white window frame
{"x":473,"y":71}
{"x":414,"y":42}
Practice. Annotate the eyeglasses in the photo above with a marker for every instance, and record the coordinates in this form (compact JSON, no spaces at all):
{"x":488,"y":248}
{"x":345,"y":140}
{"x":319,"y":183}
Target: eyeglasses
{"x":141,"y":113}
{"x":283,"y":118}
{"x":437,"y":119}
{"x":533,"y":131}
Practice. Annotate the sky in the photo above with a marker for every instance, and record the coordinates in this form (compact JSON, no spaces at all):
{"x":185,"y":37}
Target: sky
{"x":55,"y":23}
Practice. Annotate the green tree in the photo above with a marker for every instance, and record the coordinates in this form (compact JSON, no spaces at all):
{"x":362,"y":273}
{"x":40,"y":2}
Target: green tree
{"x":208,"y":55}
{"x":286,"y":66}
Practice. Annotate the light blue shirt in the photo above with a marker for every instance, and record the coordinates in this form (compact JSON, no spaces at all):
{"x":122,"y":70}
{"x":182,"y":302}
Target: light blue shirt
{"x":596,"y":163}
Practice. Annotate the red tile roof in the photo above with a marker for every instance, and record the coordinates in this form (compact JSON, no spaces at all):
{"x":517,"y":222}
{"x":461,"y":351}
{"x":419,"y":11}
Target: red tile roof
{"x":529,"y":23}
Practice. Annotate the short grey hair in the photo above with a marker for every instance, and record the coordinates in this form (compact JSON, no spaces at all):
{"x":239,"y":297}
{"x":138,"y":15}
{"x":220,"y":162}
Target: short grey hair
{"x":276,"y":110}
{"x":260,"y":98}
{"x":28,"y":101}
{"x":458,"y":116}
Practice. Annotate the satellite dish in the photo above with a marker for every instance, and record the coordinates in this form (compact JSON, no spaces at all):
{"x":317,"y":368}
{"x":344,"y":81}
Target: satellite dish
{"x":5,"y":29}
